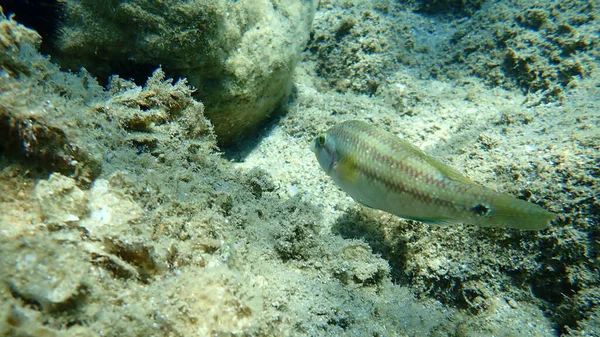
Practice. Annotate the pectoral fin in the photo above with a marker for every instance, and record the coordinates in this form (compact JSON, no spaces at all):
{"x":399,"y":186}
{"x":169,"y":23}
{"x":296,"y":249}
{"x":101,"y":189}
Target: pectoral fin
{"x":347,"y":171}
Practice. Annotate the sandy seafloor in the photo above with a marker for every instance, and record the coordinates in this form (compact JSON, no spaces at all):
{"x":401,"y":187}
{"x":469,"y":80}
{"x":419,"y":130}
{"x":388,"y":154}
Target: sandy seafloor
{"x":119,"y":216}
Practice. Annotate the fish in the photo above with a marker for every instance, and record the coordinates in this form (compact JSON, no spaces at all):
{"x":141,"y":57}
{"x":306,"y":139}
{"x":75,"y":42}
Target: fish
{"x":384,"y":172}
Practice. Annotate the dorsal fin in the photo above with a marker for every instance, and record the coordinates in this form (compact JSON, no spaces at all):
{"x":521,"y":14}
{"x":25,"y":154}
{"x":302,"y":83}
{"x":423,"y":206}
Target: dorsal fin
{"x":449,"y":172}
{"x":446,"y":170}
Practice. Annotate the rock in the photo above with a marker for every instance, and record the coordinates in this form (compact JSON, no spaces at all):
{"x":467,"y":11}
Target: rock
{"x":239,"y":55}
{"x":60,"y":199}
{"x":42,"y":271}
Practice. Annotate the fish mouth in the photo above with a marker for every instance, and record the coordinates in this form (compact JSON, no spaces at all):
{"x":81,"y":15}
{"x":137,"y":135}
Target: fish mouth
{"x":313,"y":146}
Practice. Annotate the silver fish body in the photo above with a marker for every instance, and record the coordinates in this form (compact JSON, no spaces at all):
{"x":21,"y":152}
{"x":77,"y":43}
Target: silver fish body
{"x":381,"y":171}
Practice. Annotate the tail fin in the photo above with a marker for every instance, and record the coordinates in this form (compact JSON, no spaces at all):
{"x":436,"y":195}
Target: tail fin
{"x":516,"y":213}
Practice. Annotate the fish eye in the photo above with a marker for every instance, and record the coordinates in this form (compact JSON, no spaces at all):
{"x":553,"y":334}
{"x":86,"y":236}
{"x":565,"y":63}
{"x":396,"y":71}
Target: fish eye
{"x":320,"y":140}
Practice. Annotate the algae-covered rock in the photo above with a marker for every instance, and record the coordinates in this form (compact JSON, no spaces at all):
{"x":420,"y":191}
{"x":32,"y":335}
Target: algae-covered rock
{"x":240,"y":55}
{"x":42,"y":271}
{"x":35,"y":106}
{"x":541,"y":47}
{"x":60,"y":199}
{"x":449,"y":6}
{"x":15,"y":40}
{"x":351,"y":48}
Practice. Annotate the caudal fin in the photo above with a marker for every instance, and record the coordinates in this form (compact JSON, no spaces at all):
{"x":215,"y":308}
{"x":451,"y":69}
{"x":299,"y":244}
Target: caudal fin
{"x":516,"y":213}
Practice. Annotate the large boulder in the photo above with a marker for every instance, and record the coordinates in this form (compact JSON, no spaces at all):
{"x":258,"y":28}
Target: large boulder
{"x":239,"y":55}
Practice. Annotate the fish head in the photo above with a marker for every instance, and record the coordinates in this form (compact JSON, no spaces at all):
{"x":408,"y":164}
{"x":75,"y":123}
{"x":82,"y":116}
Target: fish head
{"x":324,"y":149}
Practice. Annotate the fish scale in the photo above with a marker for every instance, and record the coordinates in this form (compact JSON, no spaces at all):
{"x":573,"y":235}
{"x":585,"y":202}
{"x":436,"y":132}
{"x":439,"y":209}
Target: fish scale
{"x":381,"y":171}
